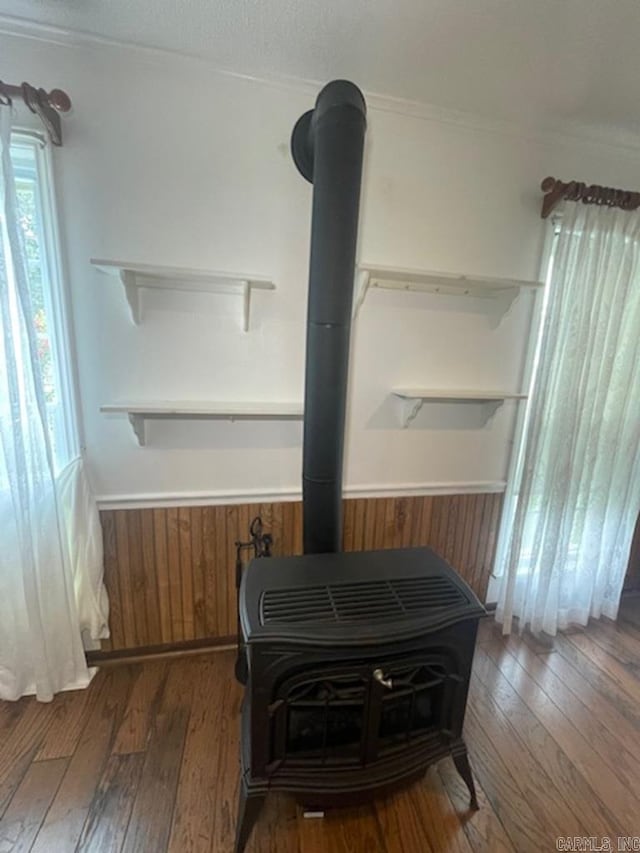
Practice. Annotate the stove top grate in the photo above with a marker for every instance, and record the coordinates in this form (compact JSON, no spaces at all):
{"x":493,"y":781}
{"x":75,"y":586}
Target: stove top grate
{"x":359,"y":601}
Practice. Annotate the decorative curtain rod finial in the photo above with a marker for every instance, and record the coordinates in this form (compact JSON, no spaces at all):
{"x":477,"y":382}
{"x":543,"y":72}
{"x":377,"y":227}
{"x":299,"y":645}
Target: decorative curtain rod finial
{"x":60,"y":101}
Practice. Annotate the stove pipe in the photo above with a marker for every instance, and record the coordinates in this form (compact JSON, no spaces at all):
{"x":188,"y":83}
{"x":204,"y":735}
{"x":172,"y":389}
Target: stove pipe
{"x":327,"y":146}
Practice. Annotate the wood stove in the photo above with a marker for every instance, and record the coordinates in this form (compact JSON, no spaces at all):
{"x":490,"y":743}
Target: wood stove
{"x":359,"y":669}
{"x":356,"y":665}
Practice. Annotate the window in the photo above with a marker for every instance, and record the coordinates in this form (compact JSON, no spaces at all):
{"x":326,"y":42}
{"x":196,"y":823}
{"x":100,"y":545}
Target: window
{"x":37,"y":220}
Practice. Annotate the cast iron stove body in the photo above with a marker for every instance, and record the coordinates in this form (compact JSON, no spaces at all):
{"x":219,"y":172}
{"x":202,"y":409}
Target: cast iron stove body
{"x":359,"y":669}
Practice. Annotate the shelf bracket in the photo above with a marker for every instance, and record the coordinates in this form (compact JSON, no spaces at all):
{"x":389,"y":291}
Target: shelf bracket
{"x":363,"y":278}
{"x":504,"y":302}
{"x":132,"y":292}
{"x":491,"y":408}
{"x":138,"y":425}
{"x":410,"y":408}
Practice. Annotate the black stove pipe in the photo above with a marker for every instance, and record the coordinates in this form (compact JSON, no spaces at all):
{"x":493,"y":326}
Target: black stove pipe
{"x":327,"y":146}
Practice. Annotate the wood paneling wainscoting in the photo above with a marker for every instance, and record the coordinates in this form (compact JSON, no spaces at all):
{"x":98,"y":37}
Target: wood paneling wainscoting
{"x":170,"y":572}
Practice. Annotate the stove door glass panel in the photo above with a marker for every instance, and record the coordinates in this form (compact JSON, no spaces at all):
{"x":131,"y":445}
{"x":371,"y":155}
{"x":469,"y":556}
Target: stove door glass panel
{"x":413,"y":706}
{"x":325,"y":718}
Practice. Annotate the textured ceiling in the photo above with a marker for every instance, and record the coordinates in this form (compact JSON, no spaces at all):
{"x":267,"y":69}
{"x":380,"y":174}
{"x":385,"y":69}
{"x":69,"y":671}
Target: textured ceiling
{"x":532,"y":61}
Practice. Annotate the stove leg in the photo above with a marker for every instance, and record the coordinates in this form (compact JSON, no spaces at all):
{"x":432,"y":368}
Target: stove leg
{"x":249,"y":807}
{"x":461,"y":761}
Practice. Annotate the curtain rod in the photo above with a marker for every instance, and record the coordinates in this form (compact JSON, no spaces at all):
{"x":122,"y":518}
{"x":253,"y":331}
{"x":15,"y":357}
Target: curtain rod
{"x":555,"y":191}
{"x":46,"y":105}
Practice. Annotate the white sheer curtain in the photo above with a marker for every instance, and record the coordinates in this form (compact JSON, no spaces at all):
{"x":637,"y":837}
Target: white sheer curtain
{"x":579,"y":497}
{"x":50,"y":546}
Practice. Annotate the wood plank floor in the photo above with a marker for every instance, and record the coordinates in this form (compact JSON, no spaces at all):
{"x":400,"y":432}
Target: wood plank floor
{"x":146,"y":760}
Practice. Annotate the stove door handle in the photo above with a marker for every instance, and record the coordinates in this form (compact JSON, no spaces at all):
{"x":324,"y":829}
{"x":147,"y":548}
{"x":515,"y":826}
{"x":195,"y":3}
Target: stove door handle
{"x":378,"y":674}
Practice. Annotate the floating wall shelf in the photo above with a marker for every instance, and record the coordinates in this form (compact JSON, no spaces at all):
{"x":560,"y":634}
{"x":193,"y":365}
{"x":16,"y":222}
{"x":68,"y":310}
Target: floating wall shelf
{"x":140,"y":413}
{"x":415,"y":398}
{"x":136,"y":276}
{"x":396,"y":278}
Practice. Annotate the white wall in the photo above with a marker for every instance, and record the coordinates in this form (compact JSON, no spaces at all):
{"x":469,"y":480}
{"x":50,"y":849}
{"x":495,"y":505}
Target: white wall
{"x":167,"y":161}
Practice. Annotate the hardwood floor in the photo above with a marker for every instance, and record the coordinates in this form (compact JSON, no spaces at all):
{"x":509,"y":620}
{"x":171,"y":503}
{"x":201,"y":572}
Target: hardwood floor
{"x":146,"y":760}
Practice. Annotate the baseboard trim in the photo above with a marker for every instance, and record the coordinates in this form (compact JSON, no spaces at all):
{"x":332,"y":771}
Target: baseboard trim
{"x":159,"y":500}
{"x":163,"y":651}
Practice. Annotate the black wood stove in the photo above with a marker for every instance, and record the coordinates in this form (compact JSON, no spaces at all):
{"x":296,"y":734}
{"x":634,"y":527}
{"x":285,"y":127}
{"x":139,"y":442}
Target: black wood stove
{"x":357,"y":665}
{"x":359,"y":669}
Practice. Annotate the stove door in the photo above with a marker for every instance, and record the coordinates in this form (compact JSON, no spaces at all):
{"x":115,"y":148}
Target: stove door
{"x":348,"y":716}
{"x":320,"y":717}
{"x":410,"y":704}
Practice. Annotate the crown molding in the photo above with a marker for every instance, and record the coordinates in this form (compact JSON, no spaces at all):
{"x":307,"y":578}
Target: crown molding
{"x":563,"y":133}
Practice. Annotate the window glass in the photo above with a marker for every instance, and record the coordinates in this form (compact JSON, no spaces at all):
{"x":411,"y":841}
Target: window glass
{"x":37,"y":223}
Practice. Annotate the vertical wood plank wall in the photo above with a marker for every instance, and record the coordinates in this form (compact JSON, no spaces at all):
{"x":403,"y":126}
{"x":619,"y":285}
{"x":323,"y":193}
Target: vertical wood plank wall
{"x":170,"y":572}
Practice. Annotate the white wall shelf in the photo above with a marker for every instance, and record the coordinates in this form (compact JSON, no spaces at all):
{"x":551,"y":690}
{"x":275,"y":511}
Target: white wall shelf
{"x":140,"y":413}
{"x":396,"y":278}
{"x":414,"y":399}
{"x":134,"y":277}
